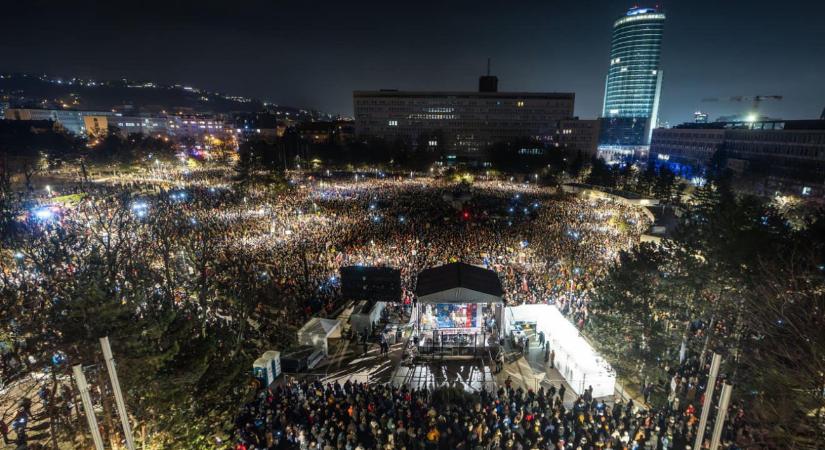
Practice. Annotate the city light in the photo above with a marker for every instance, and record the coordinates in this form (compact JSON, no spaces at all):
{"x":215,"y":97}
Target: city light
{"x":44,"y":213}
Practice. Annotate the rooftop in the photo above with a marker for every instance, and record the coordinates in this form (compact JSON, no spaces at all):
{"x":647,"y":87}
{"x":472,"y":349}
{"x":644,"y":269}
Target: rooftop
{"x":809,"y":124}
{"x":458,"y":276}
{"x":465,"y":94}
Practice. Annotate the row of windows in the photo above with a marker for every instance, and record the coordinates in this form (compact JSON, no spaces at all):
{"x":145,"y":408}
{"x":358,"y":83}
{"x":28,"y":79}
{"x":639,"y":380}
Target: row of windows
{"x":460,"y":125}
{"x":637,"y":38}
{"x":525,"y":114}
{"x":784,"y":137}
{"x":431,"y":106}
{"x":790,"y":150}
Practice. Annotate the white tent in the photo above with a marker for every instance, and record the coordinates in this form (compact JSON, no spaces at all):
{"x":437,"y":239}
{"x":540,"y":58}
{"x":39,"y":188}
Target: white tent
{"x":576,"y":360}
{"x":317,"y":332}
{"x":362,"y":318}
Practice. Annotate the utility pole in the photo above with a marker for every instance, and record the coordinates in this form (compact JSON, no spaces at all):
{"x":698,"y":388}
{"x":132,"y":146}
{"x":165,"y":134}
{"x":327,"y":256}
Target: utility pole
{"x":724,"y":401}
{"x":87,"y":405}
{"x":703,"y":421}
{"x":121,"y":406}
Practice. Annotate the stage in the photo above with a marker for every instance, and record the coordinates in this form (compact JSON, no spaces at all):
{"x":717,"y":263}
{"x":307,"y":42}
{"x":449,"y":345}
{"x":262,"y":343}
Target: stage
{"x":458,"y":312}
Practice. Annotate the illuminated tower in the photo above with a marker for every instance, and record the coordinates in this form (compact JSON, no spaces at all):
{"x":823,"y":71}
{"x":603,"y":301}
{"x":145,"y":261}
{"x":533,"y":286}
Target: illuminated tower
{"x":634,"y":80}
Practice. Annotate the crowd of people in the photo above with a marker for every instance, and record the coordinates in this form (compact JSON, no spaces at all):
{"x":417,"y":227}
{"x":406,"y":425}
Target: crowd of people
{"x":353,"y":416}
{"x":545,"y":247}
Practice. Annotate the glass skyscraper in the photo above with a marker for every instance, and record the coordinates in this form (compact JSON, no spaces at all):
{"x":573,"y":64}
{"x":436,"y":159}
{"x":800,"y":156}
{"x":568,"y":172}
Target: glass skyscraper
{"x":634,"y":80}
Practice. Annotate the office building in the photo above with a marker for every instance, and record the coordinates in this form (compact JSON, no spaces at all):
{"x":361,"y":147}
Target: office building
{"x":196,"y":125}
{"x":468,"y":121}
{"x":768,"y":156}
{"x":576,"y":135}
{"x":633,"y":83}
{"x":133,"y":124}
{"x":70,"y":120}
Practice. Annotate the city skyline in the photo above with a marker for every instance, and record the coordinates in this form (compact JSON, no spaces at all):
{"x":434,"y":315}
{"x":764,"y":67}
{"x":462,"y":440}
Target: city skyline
{"x":412,"y":225}
{"x":314,"y":58}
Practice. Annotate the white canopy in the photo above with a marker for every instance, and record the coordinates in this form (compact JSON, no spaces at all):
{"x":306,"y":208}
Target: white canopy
{"x":317,"y":331}
{"x":576,"y":360}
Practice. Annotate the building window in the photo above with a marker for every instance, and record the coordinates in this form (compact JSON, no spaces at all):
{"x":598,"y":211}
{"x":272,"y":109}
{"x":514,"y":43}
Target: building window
{"x":393,"y":123}
{"x":520,"y":104}
{"x":433,"y":143}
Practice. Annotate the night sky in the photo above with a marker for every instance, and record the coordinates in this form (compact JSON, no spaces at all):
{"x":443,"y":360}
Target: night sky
{"x":314,"y":54}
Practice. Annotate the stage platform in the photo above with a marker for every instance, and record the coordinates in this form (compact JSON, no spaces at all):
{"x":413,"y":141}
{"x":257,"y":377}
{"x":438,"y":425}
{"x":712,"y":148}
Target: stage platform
{"x":471,"y":375}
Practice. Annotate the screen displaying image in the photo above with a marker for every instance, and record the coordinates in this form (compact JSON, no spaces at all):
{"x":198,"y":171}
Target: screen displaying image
{"x":456,"y":316}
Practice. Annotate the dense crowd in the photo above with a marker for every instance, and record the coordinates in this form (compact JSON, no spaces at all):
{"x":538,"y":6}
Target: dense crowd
{"x":545,"y":247}
{"x":312,"y":415}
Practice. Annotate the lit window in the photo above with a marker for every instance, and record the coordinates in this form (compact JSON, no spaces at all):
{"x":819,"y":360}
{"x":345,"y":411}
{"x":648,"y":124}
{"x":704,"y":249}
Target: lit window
{"x":433,"y":143}
{"x":520,"y":104}
{"x":393,"y":123}
{"x":654,"y":72}
{"x":624,"y":69}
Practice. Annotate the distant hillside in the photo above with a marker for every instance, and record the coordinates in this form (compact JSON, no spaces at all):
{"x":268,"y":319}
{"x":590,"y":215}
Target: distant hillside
{"x":30,"y":90}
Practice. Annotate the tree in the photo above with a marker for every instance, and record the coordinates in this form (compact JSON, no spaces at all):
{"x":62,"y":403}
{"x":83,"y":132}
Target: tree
{"x":576,"y":165}
{"x":641,"y":308}
{"x":600,"y":173}
{"x":664,"y":187}
{"x":247,"y":164}
{"x":737,"y":263}
{"x":9,"y":204}
{"x":783,"y":358}
{"x":28,"y":147}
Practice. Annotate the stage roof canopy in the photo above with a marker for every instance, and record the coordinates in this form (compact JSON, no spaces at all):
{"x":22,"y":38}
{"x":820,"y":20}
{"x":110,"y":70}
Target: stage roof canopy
{"x":458,"y":283}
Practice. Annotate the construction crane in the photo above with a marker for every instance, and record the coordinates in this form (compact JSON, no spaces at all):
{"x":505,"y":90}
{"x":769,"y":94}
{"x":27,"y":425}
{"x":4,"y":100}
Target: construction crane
{"x":756,"y":99}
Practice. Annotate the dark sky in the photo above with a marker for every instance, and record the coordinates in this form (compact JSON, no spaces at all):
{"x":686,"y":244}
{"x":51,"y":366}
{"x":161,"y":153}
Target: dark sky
{"x":313,"y":53}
